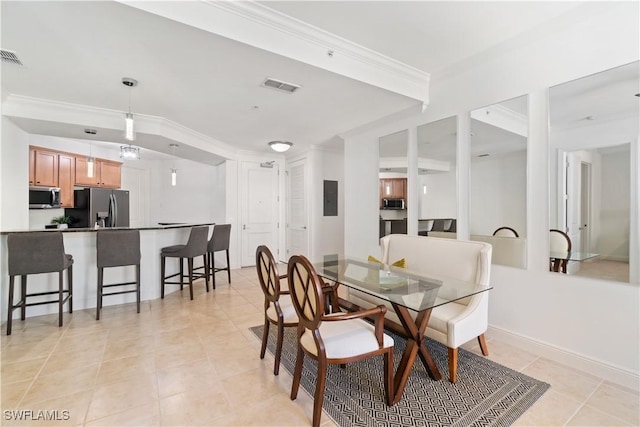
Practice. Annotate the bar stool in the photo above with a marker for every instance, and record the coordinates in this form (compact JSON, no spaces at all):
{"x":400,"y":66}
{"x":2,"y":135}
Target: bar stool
{"x":196,"y":246}
{"x":35,"y":253}
{"x":117,"y":248}
{"x":219,"y":242}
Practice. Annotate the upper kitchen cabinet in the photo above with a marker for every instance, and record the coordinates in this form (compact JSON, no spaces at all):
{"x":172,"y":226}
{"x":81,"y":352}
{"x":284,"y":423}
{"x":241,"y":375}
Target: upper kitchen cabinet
{"x":393,"y":188}
{"x":105,"y":173}
{"x":66,"y":179}
{"x":43,"y":168}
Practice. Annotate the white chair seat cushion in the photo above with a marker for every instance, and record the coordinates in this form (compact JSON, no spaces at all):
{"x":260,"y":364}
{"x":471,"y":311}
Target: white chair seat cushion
{"x":345,"y":338}
{"x":288,"y":311}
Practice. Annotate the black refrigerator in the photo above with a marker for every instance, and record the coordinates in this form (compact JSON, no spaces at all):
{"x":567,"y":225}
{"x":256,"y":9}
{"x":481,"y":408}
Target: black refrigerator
{"x":106,"y":207}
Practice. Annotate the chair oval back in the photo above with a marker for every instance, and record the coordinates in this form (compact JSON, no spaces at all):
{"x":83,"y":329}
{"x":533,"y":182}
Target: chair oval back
{"x":559,"y":241}
{"x":505,"y":232}
{"x":268,"y":273}
{"x":306,"y":291}
{"x":33,"y":253}
{"x":220,"y":238}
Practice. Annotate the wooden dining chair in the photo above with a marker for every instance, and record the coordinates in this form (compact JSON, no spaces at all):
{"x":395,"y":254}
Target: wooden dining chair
{"x":278,"y":307}
{"x":337,"y":338}
{"x":559,"y":242}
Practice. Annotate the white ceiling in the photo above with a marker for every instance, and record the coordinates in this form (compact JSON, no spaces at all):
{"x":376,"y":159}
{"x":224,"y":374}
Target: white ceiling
{"x":430,"y":35}
{"x":77,"y":52}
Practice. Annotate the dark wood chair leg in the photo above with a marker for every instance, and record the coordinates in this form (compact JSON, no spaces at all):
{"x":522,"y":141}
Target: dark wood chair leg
{"x":453,"y":364}
{"x":297,"y":373}
{"x":213,"y":270}
{"x":70,"y":280}
{"x":99,"y":292}
{"x":228,"y":268}
{"x":190,"y":267}
{"x":321,"y":379}
{"x":206,"y":276}
{"x":162,"y":268}
{"x":23,"y":293}
{"x":388,"y":377}
{"x":10,"y":304}
{"x":60,"y":296}
{"x":265,"y":337}
{"x":483,"y":345}
{"x":182,"y":272}
{"x":138,"y":286}
{"x":276,"y":364}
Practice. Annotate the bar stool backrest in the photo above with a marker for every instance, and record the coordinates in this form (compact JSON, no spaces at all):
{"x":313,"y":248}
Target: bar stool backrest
{"x":117,"y":248}
{"x":197,"y":243}
{"x":220,"y":238}
{"x":37,"y":252}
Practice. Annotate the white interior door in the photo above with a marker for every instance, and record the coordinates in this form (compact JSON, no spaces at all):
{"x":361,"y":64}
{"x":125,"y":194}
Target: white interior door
{"x":297,"y":209}
{"x":259,"y":207}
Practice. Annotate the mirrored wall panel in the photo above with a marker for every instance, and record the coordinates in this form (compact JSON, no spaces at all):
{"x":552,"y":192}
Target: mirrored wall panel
{"x":393,"y":199}
{"x":498,"y":188}
{"x":437,"y":210}
{"x":593,"y":122}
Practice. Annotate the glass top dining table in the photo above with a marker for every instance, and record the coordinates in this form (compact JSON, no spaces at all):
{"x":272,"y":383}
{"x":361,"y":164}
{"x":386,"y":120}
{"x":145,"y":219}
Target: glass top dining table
{"x":396,"y":285}
{"x":406,"y":292}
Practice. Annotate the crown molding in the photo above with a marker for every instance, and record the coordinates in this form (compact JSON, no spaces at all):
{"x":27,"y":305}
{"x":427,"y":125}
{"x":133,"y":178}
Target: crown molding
{"x":258,"y":25}
{"x":26,"y":107}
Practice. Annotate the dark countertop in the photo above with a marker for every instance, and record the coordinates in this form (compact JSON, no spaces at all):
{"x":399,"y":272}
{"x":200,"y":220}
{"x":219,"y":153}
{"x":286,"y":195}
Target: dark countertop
{"x":166,"y":226}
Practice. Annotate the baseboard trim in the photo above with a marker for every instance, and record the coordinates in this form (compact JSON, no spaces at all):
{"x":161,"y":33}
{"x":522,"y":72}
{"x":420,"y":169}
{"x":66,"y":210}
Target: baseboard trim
{"x":611,"y":373}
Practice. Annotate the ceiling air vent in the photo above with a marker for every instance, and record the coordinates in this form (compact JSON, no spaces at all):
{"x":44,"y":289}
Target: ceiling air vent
{"x":10,"y":57}
{"x":280,"y":85}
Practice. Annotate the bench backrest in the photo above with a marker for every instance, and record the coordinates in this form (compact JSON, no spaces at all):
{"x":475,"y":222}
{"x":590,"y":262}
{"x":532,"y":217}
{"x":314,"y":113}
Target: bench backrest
{"x":432,"y":256}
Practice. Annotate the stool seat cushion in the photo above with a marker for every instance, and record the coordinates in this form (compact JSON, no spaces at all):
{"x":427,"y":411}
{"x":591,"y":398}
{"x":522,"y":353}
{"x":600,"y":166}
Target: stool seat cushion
{"x":172,"y":250}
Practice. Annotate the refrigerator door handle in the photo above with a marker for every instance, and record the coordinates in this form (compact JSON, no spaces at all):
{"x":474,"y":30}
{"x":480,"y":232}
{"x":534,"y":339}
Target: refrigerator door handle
{"x":115,"y":204}
{"x":111,"y":211}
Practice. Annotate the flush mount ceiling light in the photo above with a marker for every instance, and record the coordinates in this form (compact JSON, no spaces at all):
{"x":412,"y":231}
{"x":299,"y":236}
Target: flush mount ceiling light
{"x":129,"y":134}
{"x":129,"y":152}
{"x":280,"y":146}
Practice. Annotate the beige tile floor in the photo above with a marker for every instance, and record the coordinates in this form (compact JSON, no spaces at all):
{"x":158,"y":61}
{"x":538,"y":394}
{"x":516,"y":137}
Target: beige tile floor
{"x":188,"y":363}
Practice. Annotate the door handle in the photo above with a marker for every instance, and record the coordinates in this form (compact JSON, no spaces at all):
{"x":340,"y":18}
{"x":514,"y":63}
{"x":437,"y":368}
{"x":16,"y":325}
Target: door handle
{"x":244,"y":227}
{"x":304,"y":227}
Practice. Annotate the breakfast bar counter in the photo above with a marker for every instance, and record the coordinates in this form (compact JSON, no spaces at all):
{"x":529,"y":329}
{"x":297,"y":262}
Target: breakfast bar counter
{"x":81,"y":244}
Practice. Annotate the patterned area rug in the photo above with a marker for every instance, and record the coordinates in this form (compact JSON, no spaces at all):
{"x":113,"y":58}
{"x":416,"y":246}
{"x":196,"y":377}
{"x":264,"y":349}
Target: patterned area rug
{"x":486,"y":394}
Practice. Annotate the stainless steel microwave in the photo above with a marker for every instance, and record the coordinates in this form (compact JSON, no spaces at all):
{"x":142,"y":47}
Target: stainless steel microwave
{"x":393,"y":204}
{"x":44,"y":197}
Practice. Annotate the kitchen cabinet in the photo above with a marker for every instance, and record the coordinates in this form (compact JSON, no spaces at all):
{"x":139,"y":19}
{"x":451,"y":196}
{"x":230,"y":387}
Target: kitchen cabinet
{"x":106,"y":173}
{"x":43,"y":168}
{"x":393,"y":188}
{"x":66,"y":179}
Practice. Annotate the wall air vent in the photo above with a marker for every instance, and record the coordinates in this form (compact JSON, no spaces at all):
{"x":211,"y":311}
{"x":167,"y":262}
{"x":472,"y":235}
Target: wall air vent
{"x":10,"y":57}
{"x":280,"y":85}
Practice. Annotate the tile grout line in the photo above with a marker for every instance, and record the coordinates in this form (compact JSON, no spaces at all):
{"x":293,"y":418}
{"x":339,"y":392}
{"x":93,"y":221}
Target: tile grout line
{"x":584,"y":402}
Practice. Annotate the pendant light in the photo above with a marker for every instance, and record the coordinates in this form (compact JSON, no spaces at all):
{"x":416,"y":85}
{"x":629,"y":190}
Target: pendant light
{"x":129,"y":133}
{"x":129,"y":152}
{"x":174,"y":171}
{"x":90,"y":159}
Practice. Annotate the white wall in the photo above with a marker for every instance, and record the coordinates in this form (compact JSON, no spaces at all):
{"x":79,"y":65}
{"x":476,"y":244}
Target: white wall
{"x":498,"y":196}
{"x":614,"y":213}
{"x":332,"y":227}
{"x":440,"y":200}
{"x":595,"y":320}
{"x":193,"y":197}
{"x":14,"y":177}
